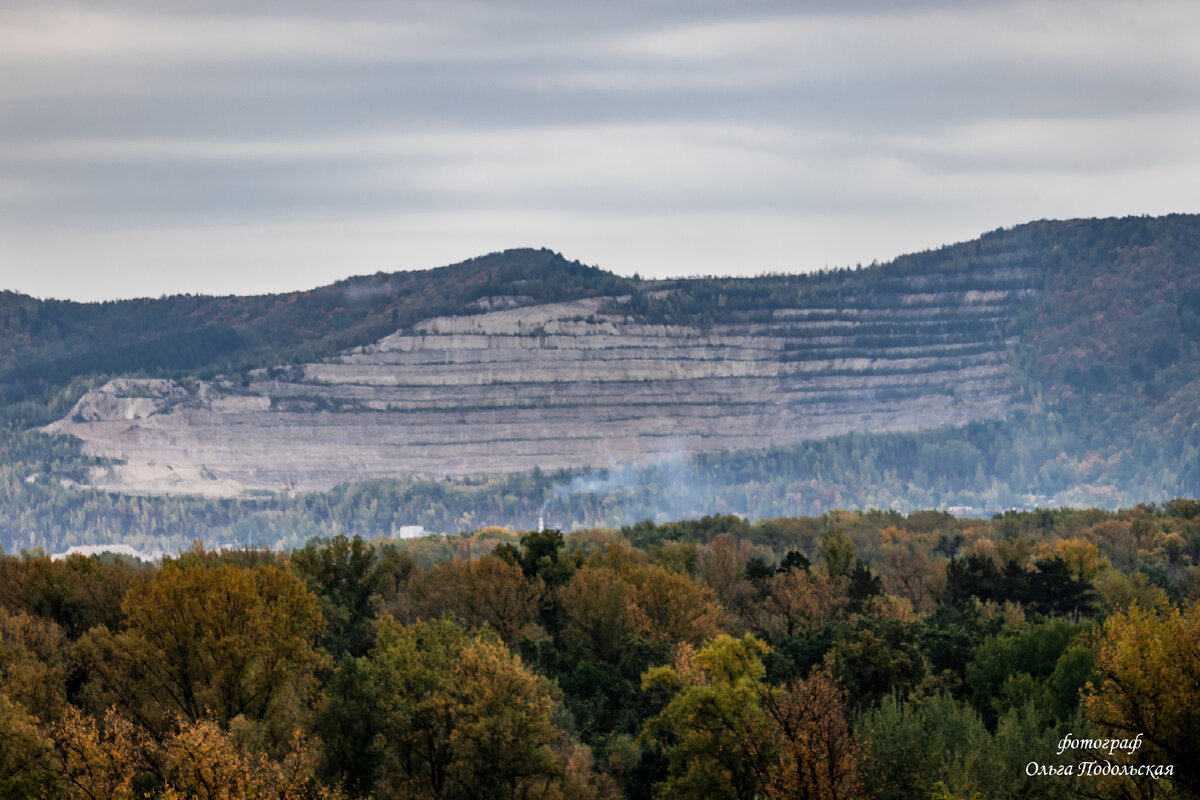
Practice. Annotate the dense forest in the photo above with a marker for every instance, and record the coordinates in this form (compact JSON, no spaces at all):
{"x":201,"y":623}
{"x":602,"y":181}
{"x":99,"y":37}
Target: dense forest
{"x":1045,"y":654}
{"x":970,"y":470}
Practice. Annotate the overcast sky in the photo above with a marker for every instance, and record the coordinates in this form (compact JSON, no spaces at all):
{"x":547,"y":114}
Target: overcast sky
{"x":251,"y":146}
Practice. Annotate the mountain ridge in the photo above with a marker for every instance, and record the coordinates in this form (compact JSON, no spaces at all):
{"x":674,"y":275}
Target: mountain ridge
{"x":1083,"y":337}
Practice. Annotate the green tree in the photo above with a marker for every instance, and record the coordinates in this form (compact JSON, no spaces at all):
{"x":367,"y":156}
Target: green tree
{"x":542,"y":557}
{"x":730,"y":734}
{"x":839,"y":553}
{"x":941,"y":746}
{"x":727,"y":733}
{"x":1009,"y":671}
{"x":719,"y":740}
{"x":875,"y":658}
{"x":912,"y":747}
{"x":349,"y":725}
{"x":342,"y":574}
{"x":461,"y":717}
{"x":24,"y":753}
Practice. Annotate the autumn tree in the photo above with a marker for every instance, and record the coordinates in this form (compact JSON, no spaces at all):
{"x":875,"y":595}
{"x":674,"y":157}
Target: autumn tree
{"x":462,"y":717}
{"x":98,"y":758}
{"x":114,"y":759}
{"x":912,"y":574}
{"x":801,"y":599}
{"x":621,"y":616}
{"x":729,"y":734}
{"x":202,"y":761}
{"x":25,"y":765}
{"x":718,"y":739}
{"x":818,"y":756}
{"x":76,"y":593}
{"x":617,"y":601}
{"x":722,"y":567}
{"x":669,"y":608}
{"x":488,"y":590}
{"x":34,"y":663}
{"x":595,"y":604}
{"x":1149,"y":660}
{"x":213,"y":641}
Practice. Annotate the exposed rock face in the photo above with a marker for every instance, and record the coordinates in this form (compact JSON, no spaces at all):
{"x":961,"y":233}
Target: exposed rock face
{"x":567,"y":384}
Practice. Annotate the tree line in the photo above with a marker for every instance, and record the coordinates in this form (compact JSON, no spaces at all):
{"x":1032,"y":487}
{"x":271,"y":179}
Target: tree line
{"x":44,"y":501}
{"x":852,"y":655}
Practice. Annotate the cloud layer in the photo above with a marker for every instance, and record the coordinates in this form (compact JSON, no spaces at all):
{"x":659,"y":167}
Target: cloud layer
{"x":148,"y":148}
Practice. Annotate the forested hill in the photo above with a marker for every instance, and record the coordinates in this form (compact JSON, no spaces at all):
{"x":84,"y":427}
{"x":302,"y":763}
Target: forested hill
{"x":1121,"y":297}
{"x":45,"y":344}
{"x":1051,"y":363}
{"x":1091,"y":263}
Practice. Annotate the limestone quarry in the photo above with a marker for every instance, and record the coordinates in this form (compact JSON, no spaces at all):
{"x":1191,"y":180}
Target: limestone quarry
{"x":583,"y":383}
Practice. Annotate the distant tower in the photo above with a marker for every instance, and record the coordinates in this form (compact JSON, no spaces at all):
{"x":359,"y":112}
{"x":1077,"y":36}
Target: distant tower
{"x":541,"y":523}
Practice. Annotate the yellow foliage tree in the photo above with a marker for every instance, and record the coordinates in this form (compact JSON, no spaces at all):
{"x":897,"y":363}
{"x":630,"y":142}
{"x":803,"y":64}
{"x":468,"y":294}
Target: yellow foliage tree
{"x":1150,"y":663}
{"x":818,"y":756}
{"x":114,"y":759}
{"x":800,"y":600}
{"x":610,"y":608}
{"x":211,"y":641}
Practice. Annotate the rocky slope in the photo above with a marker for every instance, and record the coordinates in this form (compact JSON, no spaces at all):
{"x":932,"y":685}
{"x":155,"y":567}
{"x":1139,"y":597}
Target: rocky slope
{"x":511,"y":384}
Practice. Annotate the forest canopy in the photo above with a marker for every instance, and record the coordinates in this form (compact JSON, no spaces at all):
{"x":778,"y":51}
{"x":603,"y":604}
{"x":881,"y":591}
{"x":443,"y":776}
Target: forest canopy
{"x":850,"y":655}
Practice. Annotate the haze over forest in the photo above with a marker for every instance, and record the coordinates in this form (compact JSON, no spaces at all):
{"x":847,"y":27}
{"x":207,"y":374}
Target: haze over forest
{"x":776,"y":596}
{"x":1051,"y":364}
{"x":731,"y":401}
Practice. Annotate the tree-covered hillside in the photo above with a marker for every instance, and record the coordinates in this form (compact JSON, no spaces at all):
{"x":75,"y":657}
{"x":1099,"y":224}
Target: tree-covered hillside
{"x":46,"y":345}
{"x":1104,"y":350}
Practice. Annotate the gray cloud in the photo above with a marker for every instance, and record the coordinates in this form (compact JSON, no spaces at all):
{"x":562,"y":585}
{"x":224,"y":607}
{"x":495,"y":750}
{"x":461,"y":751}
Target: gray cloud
{"x":253,"y":146}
